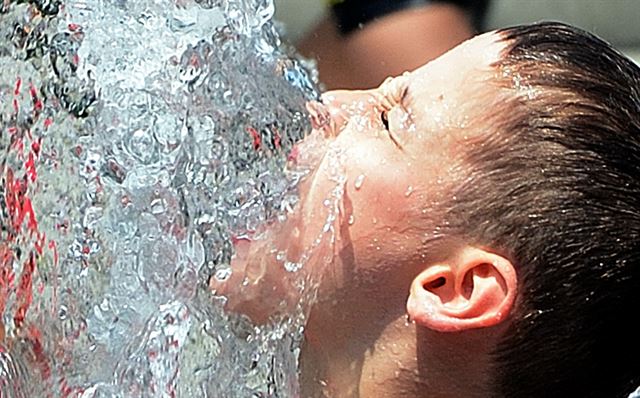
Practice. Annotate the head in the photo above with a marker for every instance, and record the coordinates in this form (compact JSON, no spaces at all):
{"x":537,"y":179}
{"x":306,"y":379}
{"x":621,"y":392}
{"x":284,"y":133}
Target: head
{"x":486,"y":242}
{"x":493,"y":196}
{"x":556,"y":191}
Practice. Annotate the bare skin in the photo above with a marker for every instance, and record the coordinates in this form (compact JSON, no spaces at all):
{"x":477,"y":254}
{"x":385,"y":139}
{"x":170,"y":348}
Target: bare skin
{"x":397,"y":314}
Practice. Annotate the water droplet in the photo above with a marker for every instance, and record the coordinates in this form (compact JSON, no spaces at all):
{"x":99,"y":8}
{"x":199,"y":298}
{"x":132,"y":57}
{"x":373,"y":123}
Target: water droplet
{"x":222,"y":275}
{"x":157,"y":206}
{"x":359,"y":181}
{"x":409,"y":191}
{"x":351,"y":220}
{"x":62,"y":314}
{"x":142,"y":145}
{"x":292,"y":266}
{"x":192,"y":66}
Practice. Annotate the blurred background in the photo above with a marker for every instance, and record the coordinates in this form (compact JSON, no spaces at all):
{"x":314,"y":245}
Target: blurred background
{"x":357,"y":43}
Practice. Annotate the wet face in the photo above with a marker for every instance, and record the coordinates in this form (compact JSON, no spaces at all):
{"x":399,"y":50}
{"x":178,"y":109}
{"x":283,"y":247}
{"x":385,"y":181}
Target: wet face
{"x":384,"y":164}
{"x":400,"y":147}
{"x":393,"y":157}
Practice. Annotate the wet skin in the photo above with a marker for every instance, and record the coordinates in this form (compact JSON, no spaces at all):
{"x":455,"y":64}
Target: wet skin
{"x":399,"y":149}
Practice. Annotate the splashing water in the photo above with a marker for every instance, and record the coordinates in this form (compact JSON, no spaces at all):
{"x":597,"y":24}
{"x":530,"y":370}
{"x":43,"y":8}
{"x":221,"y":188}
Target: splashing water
{"x":139,"y":138}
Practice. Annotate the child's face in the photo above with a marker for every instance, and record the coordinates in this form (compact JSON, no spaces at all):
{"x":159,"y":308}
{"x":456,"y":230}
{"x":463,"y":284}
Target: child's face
{"x":400,"y":148}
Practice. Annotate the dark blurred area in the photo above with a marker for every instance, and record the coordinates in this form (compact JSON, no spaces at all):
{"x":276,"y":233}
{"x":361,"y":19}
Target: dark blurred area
{"x":358,"y":43}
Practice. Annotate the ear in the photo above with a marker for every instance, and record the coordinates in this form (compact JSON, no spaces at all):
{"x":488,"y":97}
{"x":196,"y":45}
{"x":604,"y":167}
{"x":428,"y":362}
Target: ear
{"x":476,"y":289}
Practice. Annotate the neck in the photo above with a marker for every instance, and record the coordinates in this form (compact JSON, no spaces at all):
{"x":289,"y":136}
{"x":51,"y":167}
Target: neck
{"x":404,"y":360}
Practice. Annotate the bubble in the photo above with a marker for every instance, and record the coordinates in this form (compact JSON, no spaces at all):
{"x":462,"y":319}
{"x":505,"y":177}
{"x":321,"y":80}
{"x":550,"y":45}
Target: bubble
{"x":192,"y":66}
{"x":63,"y":52}
{"x":142,"y":145}
{"x":167,"y":130}
{"x":222,"y":274}
{"x":157,"y":206}
{"x":62,"y":313}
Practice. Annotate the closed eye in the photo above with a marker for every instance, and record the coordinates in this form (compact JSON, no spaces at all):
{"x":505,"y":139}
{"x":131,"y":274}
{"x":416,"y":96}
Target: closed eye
{"x":385,"y":122}
{"x":385,"y":119}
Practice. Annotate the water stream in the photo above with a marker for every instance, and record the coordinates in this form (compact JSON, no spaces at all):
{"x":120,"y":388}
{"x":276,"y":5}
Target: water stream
{"x":138,"y":138}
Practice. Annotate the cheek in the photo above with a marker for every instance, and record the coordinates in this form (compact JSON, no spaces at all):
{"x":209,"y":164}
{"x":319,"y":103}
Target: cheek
{"x":377,"y":176}
{"x":386,"y":194}
{"x":389,"y":197}
{"x":379,"y":201}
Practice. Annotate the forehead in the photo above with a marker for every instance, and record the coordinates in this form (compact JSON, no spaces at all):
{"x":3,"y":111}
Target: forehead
{"x":448,"y":91}
{"x":473,"y":57}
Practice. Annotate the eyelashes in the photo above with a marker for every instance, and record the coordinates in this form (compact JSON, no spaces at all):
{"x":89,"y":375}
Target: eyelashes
{"x":384,"y":118}
{"x":385,"y":122}
{"x":389,"y":101}
{"x":386,"y":103}
{"x":396,"y":96}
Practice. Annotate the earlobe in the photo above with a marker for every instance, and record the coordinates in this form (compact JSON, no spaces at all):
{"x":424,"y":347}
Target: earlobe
{"x":476,"y":289}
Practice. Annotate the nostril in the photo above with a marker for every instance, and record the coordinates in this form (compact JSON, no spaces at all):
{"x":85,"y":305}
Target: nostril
{"x":319,"y":115}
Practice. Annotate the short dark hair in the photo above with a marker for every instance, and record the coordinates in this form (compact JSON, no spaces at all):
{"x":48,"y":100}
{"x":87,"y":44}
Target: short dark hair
{"x":556,"y":188}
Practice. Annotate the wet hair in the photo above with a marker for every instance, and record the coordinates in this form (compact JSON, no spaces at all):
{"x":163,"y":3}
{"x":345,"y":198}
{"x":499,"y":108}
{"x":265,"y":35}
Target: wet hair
{"x":556,"y":188}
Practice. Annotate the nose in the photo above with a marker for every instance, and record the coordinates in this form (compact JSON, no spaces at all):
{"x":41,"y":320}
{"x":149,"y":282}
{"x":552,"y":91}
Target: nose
{"x":320,"y":117}
{"x":340,"y":106}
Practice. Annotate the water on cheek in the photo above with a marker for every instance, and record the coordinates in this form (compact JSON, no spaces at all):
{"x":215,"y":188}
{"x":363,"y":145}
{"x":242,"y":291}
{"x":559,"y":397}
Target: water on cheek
{"x":357,"y":184}
{"x":409,"y":191}
{"x":407,"y":123}
{"x":328,"y":183}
